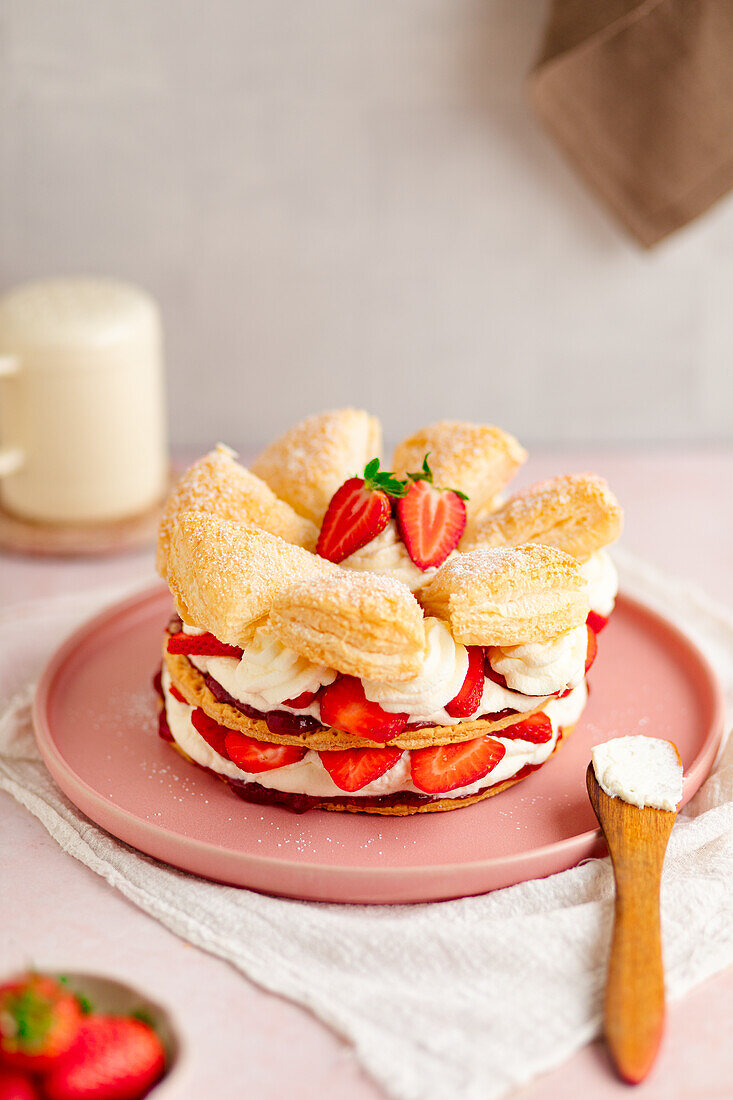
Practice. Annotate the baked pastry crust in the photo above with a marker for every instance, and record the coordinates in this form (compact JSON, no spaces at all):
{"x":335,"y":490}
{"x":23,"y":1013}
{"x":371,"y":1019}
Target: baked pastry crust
{"x":478,"y":459}
{"x":577,"y":513}
{"x":306,"y":466}
{"x":218,"y":484}
{"x":404,"y":809}
{"x":192,"y":685}
{"x":508,"y":596}
{"x":361,"y":624}
{"x":225,"y":575}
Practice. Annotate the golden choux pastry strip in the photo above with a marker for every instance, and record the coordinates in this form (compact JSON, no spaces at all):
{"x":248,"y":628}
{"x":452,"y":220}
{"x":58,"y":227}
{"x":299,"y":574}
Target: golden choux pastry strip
{"x":306,"y":466}
{"x":478,"y":459}
{"x":361,"y":624}
{"x":217,"y":483}
{"x":191,"y":684}
{"x":508,"y":596}
{"x":225,"y":576}
{"x":577,"y":513}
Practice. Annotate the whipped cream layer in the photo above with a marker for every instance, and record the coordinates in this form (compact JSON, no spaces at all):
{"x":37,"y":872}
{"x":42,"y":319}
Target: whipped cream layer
{"x":387,"y":554}
{"x":602,"y":580}
{"x":542,"y":668}
{"x":309,"y":777}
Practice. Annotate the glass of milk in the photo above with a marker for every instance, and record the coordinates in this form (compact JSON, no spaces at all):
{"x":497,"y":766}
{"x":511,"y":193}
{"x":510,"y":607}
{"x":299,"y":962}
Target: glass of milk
{"x":82,"y":410}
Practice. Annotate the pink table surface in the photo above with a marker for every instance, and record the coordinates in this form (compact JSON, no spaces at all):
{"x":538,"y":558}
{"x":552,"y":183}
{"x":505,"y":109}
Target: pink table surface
{"x":58,"y":914}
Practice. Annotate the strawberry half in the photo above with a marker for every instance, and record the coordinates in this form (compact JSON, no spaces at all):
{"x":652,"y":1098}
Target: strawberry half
{"x":114,"y":1057}
{"x":596,"y":622}
{"x":201,"y":645}
{"x":592,"y":650}
{"x":468,"y":698}
{"x":495,"y":676}
{"x":359,"y":511}
{"x":212,"y":732}
{"x":537,"y":729}
{"x":443,"y":768}
{"x":344,"y":706}
{"x":15,"y":1085}
{"x":352,"y":769}
{"x":300,"y":702}
{"x":260,"y":756}
{"x":430,"y":520}
{"x":39,"y":1022}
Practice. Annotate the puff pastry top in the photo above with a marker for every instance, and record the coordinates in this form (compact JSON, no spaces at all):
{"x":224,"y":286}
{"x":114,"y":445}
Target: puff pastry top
{"x":226,"y":575}
{"x":577,"y":513}
{"x":361,"y":624}
{"x":306,"y":466}
{"x":217,"y":483}
{"x":507,"y":597}
{"x":478,"y":459}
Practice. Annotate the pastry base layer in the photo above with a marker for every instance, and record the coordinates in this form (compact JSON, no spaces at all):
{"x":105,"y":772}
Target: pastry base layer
{"x":192,"y":685}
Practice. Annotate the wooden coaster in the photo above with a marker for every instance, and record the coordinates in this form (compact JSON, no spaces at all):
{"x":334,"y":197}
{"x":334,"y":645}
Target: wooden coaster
{"x":24,"y":536}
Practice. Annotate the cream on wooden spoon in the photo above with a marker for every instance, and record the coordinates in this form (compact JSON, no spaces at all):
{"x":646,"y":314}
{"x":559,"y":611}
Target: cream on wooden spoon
{"x":644,"y":771}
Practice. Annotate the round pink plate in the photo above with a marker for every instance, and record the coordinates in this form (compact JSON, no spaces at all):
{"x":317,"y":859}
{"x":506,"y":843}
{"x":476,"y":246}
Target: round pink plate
{"x":95,"y":719}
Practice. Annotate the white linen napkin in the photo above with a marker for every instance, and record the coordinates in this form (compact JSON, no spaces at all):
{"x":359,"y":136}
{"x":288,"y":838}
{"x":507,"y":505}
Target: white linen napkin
{"x":468,"y":998}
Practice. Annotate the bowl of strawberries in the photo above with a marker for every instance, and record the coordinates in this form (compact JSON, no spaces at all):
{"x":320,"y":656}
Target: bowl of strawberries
{"x":77,"y":1036}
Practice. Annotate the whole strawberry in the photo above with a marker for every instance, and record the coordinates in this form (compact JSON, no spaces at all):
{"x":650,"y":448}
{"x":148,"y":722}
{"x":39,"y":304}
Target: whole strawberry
{"x":39,"y":1022}
{"x":15,"y":1085}
{"x":358,"y":511}
{"x":430,"y":520}
{"x":114,"y":1058}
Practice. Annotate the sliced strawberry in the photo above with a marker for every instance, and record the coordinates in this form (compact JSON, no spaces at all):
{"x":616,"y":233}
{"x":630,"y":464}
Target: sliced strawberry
{"x":536,"y":728}
{"x":468,"y":698}
{"x":596,"y":622}
{"x":431,"y":522}
{"x":17,"y":1086}
{"x":344,"y":706}
{"x":352,"y":769}
{"x":177,"y":694}
{"x":355,"y":516}
{"x":114,"y":1058}
{"x":300,"y":702}
{"x":592,"y":650}
{"x":212,"y":732}
{"x":39,"y":1022}
{"x":443,"y":768}
{"x":260,"y":756}
{"x":201,"y":645}
{"x":495,"y":676}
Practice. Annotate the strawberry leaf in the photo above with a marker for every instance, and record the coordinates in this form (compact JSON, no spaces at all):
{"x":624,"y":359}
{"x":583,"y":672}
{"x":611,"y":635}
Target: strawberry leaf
{"x":426,"y":474}
{"x":383,"y":480}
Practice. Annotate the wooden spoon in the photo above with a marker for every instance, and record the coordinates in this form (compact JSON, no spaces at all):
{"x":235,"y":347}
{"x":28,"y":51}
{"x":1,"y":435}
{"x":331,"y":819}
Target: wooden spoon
{"x":634,"y":1005}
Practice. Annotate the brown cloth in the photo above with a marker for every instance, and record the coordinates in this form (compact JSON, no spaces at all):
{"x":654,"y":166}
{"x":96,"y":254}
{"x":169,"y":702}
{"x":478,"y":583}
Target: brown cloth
{"x":639,"y":93}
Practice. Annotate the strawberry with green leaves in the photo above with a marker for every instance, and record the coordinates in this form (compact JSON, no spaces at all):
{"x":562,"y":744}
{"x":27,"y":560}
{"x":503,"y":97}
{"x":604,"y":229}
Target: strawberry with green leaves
{"x":359,"y":511}
{"x":430,"y":520}
{"x":39,"y":1021}
{"x":113,"y":1058}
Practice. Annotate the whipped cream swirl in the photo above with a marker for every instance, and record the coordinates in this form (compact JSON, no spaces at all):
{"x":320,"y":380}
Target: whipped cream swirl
{"x":439,"y":680}
{"x":268,"y":674}
{"x":602,"y":579}
{"x":542,"y":668}
{"x":388,"y":555}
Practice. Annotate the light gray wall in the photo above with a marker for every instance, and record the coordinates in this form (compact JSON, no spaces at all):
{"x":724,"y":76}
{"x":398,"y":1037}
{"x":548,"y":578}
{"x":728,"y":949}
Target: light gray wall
{"x":348,"y":201}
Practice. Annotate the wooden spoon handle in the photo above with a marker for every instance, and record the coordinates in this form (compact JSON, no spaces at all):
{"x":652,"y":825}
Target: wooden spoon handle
{"x":634,"y":1004}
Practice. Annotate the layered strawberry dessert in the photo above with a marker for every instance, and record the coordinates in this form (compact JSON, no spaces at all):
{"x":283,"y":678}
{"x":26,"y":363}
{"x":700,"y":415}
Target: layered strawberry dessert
{"x":350,"y":638}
